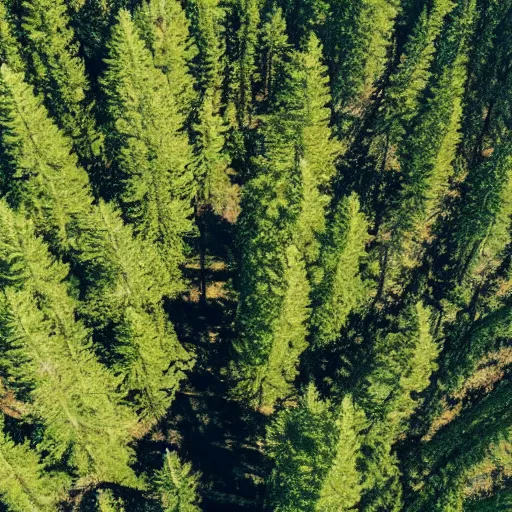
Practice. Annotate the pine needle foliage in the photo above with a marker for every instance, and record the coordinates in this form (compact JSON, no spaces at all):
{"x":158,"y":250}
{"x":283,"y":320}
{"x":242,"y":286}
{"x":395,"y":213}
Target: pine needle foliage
{"x":149,"y":148}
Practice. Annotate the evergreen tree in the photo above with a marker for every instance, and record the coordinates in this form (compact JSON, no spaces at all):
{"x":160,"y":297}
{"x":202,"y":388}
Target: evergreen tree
{"x":341,"y":288}
{"x":300,"y":442}
{"x":206,"y":23}
{"x":315,"y":454}
{"x":426,"y":161}
{"x":147,"y":143}
{"x":88,"y":418}
{"x":58,"y":74}
{"x":245,"y":66}
{"x":275,"y":48}
{"x":283,"y":217}
{"x":9,"y":46}
{"x":357,"y":39}
{"x":402,"y":367}
{"x":125,"y":278}
{"x":108,"y":503}
{"x":456,"y":448}
{"x":166,"y":32}
{"x":176,"y":485}
{"x":25,"y":485}
{"x":341,"y":489}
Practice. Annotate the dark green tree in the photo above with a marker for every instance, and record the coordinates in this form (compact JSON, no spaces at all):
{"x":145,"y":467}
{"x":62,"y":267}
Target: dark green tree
{"x":315,"y":453}
{"x":358,"y":38}
{"x":166,"y":31}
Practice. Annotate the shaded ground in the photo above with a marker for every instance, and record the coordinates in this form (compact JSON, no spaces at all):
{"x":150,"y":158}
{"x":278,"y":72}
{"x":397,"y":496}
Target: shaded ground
{"x":217,"y":435}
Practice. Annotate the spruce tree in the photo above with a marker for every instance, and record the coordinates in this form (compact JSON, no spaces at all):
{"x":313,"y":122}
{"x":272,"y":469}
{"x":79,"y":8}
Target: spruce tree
{"x":441,"y":462}
{"x":146,"y":141}
{"x":245,"y":67}
{"x":341,"y":288}
{"x":25,"y":484}
{"x":58,"y":74}
{"x":358,"y":37}
{"x":166,"y":31}
{"x":125,"y":278}
{"x":176,"y":485}
{"x":282,"y":218}
{"x":108,"y":503}
{"x":58,"y":350}
{"x":299,"y":442}
{"x":9,"y":46}
{"x":426,"y":160}
{"x":275,"y":48}
{"x":206,"y":23}
{"x":341,"y":489}
{"x":404,"y":361}
{"x":315,"y":453}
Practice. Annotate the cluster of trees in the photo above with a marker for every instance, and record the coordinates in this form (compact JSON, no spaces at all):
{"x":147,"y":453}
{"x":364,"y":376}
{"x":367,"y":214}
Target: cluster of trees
{"x":368,"y":147}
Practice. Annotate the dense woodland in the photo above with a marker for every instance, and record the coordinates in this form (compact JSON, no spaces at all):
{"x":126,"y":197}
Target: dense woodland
{"x":256,"y":255}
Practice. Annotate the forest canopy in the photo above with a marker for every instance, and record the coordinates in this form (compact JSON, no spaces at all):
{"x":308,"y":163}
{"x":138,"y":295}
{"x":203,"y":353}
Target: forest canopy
{"x":255,"y":255}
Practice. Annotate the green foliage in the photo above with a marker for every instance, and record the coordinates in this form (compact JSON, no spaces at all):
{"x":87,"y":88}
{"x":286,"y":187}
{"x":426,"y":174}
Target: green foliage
{"x":426,"y":161}
{"x":315,"y":454}
{"x":9,"y":47}
{"x":341,"y":489}
{"x":299,"y":442}
{"x":369,"y":142}
{"x":358,"y":36}
{"x":176,"y":485}
{"x":341,"y":288}
{"x":74,"y":395}
{"x":166,"y":31}
{"x":275,"y":48}
{"x":206,"y":23}
{"x":245,"y":67}
{"x":146,"y":142}
{"x":403,"y":364}
{"x":24,"y":482}
{"x":108,"y":503}
{"x":125,"y":278}
{"x":58,"y":73}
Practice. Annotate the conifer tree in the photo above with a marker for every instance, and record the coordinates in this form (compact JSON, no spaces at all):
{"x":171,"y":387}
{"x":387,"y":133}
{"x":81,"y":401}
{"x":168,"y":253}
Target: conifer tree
{"x":108,"y":503}
{"x":58,"y":74}
{"x":206,"y":23}
{"x":315,"y":454}
{"x":403,"y":364}
{"x":245,"y":64}
{"x":427,"y":159}
{"x":176,"y":485}
{"x":25,"y":484}
{"x":341,"y":288}
{"x":125,"y":278}
{"x":456,"y":448}
{"x":166,"y":32}
{"x":341,"y":489}
{"x":300,"y":442}
{"x":59,"y":351}
{"x":284,"y":210}
{"x":148,"y":145}
{"x":9,"y":46}
{"x":358,"y":37}
{"x":275,"y":48}
{"x":400,"y":105}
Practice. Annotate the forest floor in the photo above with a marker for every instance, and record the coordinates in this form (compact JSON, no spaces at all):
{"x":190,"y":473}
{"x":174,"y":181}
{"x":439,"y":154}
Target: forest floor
{"x":219,"y":437}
